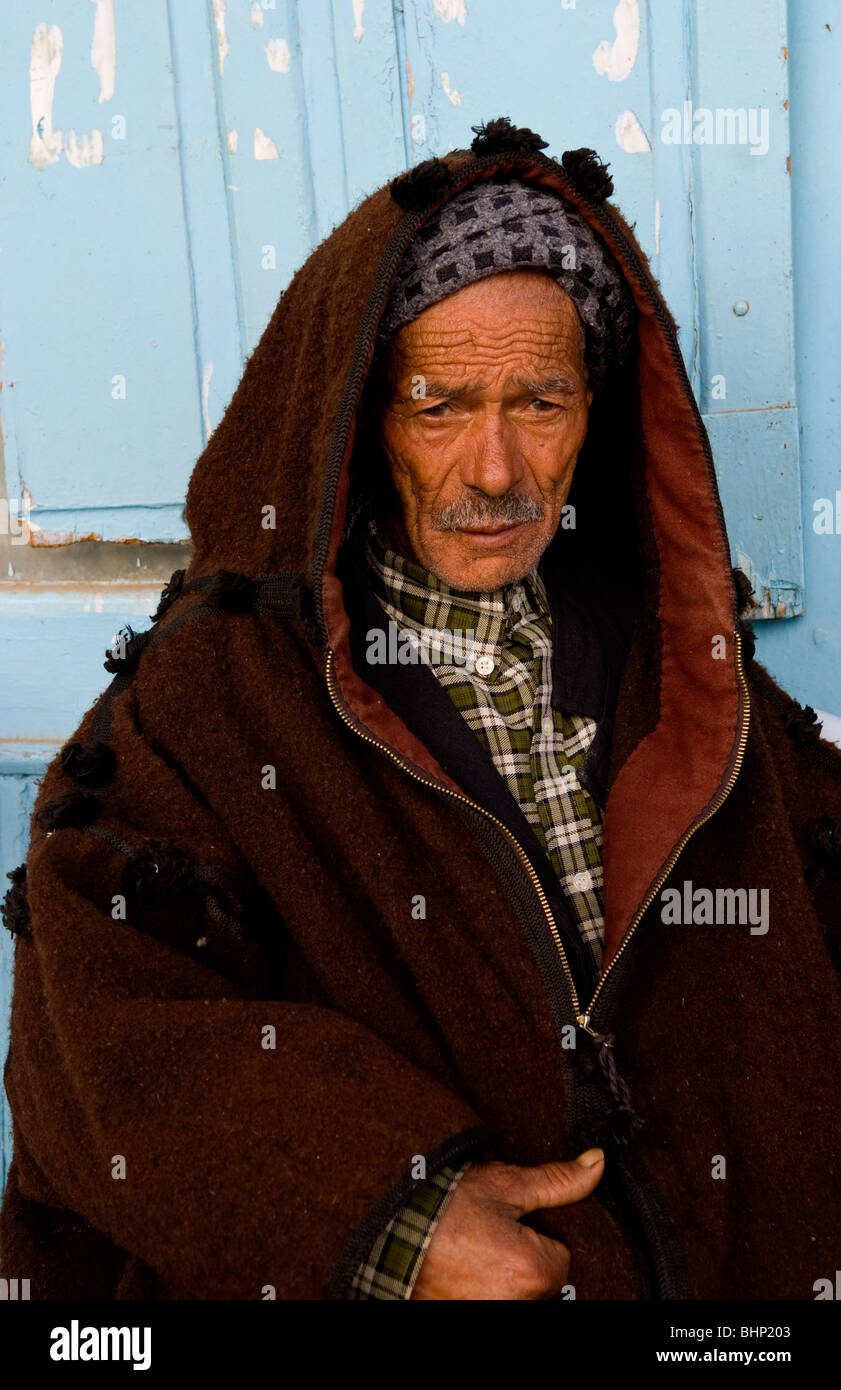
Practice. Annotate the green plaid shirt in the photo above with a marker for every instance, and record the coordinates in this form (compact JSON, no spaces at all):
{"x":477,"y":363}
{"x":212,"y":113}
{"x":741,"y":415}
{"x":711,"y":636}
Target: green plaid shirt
{"x":492,"y":652}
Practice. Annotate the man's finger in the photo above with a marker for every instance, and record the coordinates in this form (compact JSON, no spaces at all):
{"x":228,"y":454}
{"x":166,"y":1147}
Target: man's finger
{"x":554,"y":1184}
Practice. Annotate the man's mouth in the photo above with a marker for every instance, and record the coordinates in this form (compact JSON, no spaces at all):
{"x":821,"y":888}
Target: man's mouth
{"x":488,"y":532}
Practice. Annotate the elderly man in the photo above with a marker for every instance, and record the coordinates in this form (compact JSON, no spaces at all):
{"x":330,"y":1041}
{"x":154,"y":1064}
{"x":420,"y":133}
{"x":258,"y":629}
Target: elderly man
{"x":403,"y":921}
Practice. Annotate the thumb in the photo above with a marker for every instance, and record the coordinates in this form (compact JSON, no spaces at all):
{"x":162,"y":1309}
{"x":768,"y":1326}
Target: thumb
{"x":557,"y":1184}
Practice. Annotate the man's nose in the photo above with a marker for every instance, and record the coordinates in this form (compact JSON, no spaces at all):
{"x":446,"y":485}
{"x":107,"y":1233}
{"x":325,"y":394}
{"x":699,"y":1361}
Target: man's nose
{"x":492,"y":460}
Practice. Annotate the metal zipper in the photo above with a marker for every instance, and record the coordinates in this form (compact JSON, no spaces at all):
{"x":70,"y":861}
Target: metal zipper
{"x":678,"y":849}
{"x":459,"y":796}
{"x":582,"y":1017}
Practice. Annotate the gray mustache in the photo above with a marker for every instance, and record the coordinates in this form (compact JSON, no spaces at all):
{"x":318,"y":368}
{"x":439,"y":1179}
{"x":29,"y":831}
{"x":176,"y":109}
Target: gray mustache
{"x":510,"y":509}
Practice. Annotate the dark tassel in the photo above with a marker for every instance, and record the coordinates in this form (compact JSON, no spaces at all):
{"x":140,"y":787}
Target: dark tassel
{"x":501,"y":137}
{"x":71,"y":808}
{"x":92,"y":765}
{"x":824,"y":835}
{"x":156,"y":872}
{"x":585,"y":169}
{"x":234,"y":593}
{"x":423,"y":184}
{"x":744,"y":594}
{"x":15,"y":909}
{"x":623,"y":1121}
{"x":134,"y":644}
{"x":169,"y":594}
{"x":801,"y":724}
{"x":748,"y":639}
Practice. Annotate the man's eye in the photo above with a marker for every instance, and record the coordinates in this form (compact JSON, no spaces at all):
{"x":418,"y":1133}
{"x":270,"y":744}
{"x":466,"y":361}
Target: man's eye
{"x":550,"y":405}
{"x":442,"y":405}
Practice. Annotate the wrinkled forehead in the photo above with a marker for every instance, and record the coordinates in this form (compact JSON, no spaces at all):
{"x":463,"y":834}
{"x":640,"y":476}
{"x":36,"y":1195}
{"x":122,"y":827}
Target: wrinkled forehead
{"x":515,"y":323}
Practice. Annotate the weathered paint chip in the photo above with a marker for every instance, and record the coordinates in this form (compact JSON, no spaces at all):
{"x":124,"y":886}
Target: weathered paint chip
{"x":264,"y":147}
{"x":46,"y":144}
{"x":84,"y":150}
{"x":232,"y":137}
{"x":222,"y":46}
{"x":630,"y":135}
{"x":256,"y":15}
{"x":615,"y":60}
{"x":277,"y":52}
{"x":205,"y":400}
{"x":104,"y":48}
{"x":451,"y":9}
{"x":358,"y":26}
{"x":454,"y":96}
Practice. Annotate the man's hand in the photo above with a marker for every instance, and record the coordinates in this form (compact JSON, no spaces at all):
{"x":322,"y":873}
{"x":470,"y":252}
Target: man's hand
{"x":481,"y":1251}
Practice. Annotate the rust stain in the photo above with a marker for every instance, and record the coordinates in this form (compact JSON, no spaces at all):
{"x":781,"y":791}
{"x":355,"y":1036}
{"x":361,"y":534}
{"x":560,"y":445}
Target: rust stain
{"x":30,"y":587}
{"x":785,"y":104}
{"x":411,"y":81}
{"x":752,"y":409}
{"x":48,"y":540}
{"x":785,"y":54}
{"x":788,"y":163}
{"x":27,"y":740}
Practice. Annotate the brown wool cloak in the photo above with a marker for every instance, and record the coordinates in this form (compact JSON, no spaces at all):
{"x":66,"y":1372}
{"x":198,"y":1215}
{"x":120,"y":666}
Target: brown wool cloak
{"x":269,"y":1036}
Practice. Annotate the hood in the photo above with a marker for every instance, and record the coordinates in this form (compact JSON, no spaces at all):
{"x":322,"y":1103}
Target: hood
{"x":644,"y":488}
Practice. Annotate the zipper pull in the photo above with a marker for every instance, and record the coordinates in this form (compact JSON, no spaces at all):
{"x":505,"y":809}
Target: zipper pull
{"x":629,"y":1121}
{"x":619,"y":1088}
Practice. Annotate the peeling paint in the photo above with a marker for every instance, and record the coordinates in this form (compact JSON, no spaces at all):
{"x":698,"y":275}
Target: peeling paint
{"x":264,"y":147}
{"x":222,"y":45}
{"x":47,"y":540}
{"x":630,"y":135}
{"x":232,"y":137}
{"x":451,"y":9}
{"x":454,"y":96}
{"x":358,"y":26}
{"x":411,"y":81}
{"x":775,"y":597}
{"x":104,"y":48}
{"x":256,"y":15}
{"x":46,"y":144}
{"x":205,"y":400}
{"x":615,"y":60}
{"x":277,"y":52}
{"x":82,"y":151}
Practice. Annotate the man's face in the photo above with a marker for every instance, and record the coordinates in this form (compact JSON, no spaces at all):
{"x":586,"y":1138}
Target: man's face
{"x":484,"y":416}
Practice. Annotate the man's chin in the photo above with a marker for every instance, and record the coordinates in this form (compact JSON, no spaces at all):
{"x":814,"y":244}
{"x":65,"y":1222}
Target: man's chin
{"x":485,"y":561}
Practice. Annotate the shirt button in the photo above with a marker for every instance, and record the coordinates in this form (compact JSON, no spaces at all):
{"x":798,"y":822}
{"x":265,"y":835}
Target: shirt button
{"x":548,"y":725}
{"x":583,"y":881}
{"x":484,"y":665}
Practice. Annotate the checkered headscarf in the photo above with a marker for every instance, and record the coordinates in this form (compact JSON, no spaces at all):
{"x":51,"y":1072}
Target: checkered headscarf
{"x":507,"y":224}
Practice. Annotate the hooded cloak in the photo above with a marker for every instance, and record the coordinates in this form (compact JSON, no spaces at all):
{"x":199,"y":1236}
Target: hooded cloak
{"x":231,"y":1038}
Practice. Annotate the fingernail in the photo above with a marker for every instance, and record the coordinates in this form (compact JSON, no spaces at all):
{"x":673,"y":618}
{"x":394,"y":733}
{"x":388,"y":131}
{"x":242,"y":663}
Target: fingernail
{"x":590,"y":1158}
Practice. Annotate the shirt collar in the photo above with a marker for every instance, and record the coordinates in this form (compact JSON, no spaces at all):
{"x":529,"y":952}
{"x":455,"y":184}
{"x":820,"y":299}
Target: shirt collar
{"x":419,"y":598}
